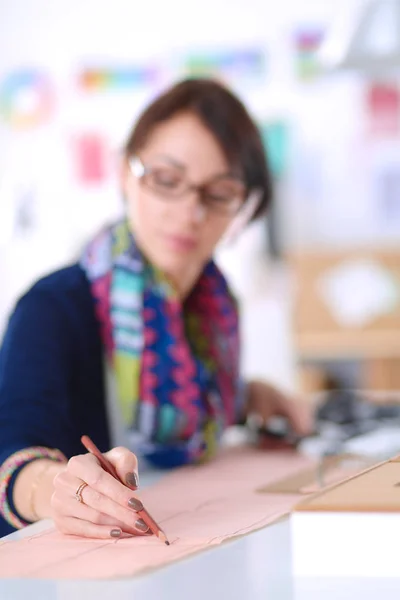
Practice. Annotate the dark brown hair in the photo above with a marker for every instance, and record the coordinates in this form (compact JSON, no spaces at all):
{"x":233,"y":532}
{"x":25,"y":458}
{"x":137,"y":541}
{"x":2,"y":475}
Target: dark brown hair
{"x":225,"y":117}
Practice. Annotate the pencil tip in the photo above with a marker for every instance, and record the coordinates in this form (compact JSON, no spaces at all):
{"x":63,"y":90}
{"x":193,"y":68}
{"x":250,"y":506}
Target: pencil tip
{"x":163,"y":538}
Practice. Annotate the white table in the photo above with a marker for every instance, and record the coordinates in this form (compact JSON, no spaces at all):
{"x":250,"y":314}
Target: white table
{"x":254,"y":567}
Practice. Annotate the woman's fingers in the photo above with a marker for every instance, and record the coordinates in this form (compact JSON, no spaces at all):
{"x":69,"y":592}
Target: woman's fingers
{"x":300,"y":415}
{"x":126,"y":465}
{"x":74,"y":526}
{"x":104,"y":505}
{"x":95,"y":507}
{"x":70,"y":508}
{"x":266,"y":401}
{"x":87,"y":468}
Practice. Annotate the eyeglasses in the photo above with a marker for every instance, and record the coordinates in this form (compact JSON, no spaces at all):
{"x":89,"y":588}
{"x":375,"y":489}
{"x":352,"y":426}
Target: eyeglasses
{"x":224,"y":195}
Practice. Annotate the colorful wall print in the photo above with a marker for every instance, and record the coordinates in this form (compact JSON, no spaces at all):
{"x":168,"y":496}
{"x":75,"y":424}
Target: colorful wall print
{"x":275,"y":136}
{"x":26,"y":99}
{"x":118,"y":79}
{"x":91,"y":158}
{"x":383,"y":110}
{"x":233,"y":66}
{"x":307,"y":42}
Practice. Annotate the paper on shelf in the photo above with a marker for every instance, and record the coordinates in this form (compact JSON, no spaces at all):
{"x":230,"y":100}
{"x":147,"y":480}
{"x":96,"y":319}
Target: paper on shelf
{"x":358,"y":291}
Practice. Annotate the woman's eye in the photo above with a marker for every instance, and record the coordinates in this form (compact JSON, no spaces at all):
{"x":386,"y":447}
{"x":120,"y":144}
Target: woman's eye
{"x":225,"y":192}
{"x":166,"y":179}
{"x":218,"y":197}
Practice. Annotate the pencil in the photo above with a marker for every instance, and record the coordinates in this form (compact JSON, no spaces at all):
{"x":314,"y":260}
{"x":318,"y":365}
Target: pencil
{"x":137,"y":505}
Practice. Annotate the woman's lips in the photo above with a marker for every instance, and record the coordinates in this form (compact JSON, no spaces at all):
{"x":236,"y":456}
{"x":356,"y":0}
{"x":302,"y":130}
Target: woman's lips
{"x":181,"y":243}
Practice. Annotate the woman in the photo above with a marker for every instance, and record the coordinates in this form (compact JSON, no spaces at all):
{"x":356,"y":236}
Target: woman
{"x":137,"y":345}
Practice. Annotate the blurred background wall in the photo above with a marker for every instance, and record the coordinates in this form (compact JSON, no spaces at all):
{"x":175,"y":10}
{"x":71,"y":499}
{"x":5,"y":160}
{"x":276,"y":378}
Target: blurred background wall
{"x":73,"y":77}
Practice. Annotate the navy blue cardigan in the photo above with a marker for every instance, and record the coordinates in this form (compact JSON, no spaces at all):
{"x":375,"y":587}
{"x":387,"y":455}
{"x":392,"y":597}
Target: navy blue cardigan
{"x":51,"y":371}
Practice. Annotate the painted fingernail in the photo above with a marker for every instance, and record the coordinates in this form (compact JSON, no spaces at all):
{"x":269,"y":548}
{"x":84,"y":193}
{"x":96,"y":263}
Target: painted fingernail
{"x":135,"y":504}
{"x":115,"y":533}
{"x":132,"y":480}
{"x":141,"y":525}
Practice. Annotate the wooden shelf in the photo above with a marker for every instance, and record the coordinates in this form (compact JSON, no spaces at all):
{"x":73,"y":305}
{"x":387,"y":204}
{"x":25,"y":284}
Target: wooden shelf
{"x":347,"y":345}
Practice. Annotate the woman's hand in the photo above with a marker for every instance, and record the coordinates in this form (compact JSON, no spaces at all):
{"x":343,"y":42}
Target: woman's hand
{"x":265,"y":401}
{"x":106,"y":507}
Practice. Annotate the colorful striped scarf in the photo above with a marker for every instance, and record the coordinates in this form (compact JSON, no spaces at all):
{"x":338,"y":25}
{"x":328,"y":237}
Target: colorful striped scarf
{"x":176,"y":364}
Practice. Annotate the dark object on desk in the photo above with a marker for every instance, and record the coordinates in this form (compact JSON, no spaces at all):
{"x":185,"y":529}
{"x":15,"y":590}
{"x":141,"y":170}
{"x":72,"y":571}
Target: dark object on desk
{"x":346,"y":416}
{"x":352,"y":413}
{"x":344,"y":406}
{"x":276,"y":434}
{"x":341,"y":415}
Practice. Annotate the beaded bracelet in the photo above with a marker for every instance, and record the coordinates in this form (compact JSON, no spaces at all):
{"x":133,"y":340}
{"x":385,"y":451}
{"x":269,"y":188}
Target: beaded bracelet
{"x":7,"y":470}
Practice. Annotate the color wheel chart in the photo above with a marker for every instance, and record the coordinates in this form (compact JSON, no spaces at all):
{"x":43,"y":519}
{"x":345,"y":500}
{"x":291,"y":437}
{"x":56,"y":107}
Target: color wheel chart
{"x":118,"y":78}
{"x":26,"y":99}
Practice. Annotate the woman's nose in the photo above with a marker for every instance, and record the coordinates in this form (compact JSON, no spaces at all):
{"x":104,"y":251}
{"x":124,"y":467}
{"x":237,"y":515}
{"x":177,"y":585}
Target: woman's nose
{"x":195,"y":209}
{"x":199,"y":212}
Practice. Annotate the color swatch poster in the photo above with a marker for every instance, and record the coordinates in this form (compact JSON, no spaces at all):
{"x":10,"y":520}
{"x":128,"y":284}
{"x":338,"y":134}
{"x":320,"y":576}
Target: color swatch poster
{"x":383,"y":110}
{"x":307,"y":42}
{"x":91,"y":158}
{"x":108,"y":79}
{"x":232,"y":66}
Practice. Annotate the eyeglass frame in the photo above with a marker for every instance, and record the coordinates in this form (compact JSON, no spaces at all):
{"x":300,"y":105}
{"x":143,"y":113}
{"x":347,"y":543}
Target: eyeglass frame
{"x":251,"y":200}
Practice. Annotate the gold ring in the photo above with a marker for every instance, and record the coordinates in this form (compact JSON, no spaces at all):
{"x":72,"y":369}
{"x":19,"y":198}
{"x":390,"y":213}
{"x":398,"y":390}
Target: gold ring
{"x":78,"y":493}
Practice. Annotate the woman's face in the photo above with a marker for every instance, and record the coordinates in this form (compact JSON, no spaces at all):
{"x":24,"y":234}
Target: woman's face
{"x":175,"y":228}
